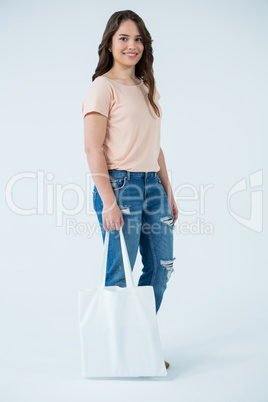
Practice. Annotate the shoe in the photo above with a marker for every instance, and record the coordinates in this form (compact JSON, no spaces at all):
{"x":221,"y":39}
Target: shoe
{"x":167,"y":364}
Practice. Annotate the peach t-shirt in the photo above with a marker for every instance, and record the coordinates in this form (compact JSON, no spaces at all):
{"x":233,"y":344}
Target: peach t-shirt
{"x":132,"y":140}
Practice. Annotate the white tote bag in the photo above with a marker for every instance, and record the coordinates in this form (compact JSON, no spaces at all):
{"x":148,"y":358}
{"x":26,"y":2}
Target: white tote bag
{"x":118,"y":327}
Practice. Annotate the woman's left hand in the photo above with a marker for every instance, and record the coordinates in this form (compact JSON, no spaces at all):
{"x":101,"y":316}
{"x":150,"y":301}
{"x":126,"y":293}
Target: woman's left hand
{"x":173,"y":208}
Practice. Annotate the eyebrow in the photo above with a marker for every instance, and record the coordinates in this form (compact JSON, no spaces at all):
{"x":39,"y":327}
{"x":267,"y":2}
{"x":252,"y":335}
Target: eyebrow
{"x":127,"y":35}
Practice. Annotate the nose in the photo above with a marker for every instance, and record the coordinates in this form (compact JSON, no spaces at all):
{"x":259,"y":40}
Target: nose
{"x":131,"y":46}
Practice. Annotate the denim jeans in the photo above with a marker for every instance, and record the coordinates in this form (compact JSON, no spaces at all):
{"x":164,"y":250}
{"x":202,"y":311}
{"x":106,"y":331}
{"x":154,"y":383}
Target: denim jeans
{"x":148,"y":225}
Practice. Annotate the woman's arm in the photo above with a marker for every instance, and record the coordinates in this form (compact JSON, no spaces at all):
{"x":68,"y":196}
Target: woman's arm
{"x":94,"y":134}
{"x":163,"y":175}
{"x":94,"y":130}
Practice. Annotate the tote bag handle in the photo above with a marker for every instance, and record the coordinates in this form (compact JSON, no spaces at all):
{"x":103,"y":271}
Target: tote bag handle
{"x":126,"y":262}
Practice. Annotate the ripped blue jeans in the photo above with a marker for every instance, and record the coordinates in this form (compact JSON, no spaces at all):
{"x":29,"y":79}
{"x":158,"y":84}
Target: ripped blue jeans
{"x":148,"y":225}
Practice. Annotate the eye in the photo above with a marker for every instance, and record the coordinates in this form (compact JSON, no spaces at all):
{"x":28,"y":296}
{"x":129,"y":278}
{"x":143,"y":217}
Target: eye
{"x":139,"y":39}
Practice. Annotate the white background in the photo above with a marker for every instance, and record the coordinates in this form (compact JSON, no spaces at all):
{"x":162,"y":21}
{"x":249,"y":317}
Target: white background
{"x":211,"y":71}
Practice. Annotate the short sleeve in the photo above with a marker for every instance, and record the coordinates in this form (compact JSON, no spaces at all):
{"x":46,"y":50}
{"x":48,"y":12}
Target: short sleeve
{"x":98,"y":98}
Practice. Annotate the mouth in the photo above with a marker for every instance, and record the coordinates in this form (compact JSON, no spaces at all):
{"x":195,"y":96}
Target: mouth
{"x":131,"y":55}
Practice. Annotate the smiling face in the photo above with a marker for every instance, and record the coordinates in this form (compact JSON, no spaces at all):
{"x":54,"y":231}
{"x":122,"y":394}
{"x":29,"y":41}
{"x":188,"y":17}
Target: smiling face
{"x":127,"y":46}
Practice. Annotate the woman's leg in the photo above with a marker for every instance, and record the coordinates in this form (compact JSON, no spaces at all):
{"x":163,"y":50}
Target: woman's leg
{"x":115,"y":274}
{"x":156,"y":241}
{"x":147,"y":223}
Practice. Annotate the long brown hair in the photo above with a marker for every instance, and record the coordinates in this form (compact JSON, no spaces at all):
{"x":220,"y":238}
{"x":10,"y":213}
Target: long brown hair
{"x":144,"y":68}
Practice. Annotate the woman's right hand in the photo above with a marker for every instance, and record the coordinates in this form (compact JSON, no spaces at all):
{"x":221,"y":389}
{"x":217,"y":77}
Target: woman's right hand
{"x":112,"y":217}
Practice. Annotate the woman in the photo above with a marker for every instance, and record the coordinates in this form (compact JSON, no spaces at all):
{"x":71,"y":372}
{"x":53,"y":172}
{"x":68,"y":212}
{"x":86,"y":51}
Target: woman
{"x":122,"y":143}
